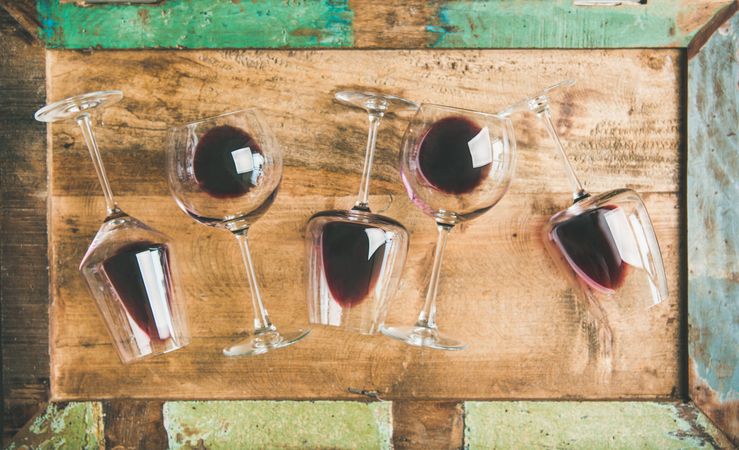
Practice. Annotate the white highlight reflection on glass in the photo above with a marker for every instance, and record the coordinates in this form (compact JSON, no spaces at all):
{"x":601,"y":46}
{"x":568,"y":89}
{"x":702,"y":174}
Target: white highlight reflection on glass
{"x":480,"y":149}
{"x":155,"y":283}
{"x":375,"y":238}
{"x":243,"y":160}
{"x":624,"y":237}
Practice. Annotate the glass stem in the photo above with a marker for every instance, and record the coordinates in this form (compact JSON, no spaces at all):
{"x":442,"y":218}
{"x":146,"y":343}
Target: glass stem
{"x":578,"y":192}
{"x":362,"y":202}
{"x":261,"y":319}
{"x":85,"y":124}
{"x":427,"y":318}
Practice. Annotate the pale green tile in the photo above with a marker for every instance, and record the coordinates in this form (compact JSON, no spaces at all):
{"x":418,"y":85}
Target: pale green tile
{"x":74,"y":426}
{"x":586,"y":425}
{"x":278,"y":424}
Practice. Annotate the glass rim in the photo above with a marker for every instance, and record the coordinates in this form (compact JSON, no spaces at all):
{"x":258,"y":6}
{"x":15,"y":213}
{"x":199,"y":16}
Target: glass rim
{"x":209,"y":118}
{"x":464,"y":110}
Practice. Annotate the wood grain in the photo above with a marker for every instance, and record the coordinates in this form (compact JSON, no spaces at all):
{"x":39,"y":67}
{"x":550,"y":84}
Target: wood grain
{"x":24,"y":282}
{"x":434,"y":425}
{"x":499,"y":291}
{"x":713,"y":226}
{"x":134,"y":424}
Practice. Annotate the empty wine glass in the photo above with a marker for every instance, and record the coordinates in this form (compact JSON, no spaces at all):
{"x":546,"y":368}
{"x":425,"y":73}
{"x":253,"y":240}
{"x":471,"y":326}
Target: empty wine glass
{"x":456,"y":164}
{"x":225,"y":172}
{"x":600,"y":239}
{"x":128,"y":267}
{"x":355,"y":257}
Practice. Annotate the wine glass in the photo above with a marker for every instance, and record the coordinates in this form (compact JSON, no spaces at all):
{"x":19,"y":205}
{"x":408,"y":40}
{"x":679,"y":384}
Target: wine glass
{"x":225,"y":172}
{"x":129,"y":267}
{"x":600,"y":239}
{"x":355,"y":257}
{"x":456,"y":164}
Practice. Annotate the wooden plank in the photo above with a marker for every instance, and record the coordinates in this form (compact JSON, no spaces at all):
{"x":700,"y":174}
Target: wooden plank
{"x":588,"y":425}
{"x":713,"y":227}
{"x":24,"y":282}
{"x":437,"y":425}
{"x":63,"y":425}
{"x":198,"y":24}
{"x":134,"y":424}
{"x":526,"y":331}
{"x":278,"y":425}
{"x":24,"y":12}
{"x":368,"y":24}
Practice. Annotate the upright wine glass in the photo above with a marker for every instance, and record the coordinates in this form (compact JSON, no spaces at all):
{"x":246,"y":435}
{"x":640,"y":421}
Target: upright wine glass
{"x":355,"y":257}
{"x":128,"y":267}
{"x":225,"y":172}
{"x":455,"y":164}
{"x":600,"y":239}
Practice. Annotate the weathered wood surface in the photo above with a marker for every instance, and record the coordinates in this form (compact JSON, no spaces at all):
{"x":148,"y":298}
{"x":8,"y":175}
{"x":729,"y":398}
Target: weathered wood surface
{"x":24,"y":282}
{"x":499,"y":290}
{"x":437,"y":425}
{"x":134,"y":424}
{"x":371,"y":24}
{"x":713,"y":227}
{"x":340,"y":424}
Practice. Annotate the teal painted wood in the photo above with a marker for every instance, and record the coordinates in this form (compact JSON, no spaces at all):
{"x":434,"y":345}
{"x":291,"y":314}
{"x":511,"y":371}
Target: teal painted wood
{"x":331,"y":23}
{"x":588,"y":425}
{"x":713,"y":226}
{"x":560,"y":24}
{"x":197,"y":24}
{"x":278,"y":424}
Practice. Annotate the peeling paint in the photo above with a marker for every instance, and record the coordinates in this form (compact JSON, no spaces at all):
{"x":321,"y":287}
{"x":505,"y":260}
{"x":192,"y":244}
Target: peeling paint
{"x":561,"y":24}
{"x":587,"y":425}
{"x":197,"y":24}
{"x":713,"y":227}
{"x":278,"y":424}
{"x":74,"y":425}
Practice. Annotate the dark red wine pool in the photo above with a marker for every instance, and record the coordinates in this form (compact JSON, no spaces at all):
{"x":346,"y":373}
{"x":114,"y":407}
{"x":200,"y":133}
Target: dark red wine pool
{"x":225,"y":161}
{"x":590,"y":247}
{"x":140,"y":276}
{"x":353,"y":254}
{"x":445,"y":159}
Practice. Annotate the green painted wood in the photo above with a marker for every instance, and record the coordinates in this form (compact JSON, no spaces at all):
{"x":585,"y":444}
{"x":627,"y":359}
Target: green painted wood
{"x":587,"y":425}
{"x":197,"y":24}
{"x":278,"y":424}
{"x":335,"y":23}
{"x":713,"y":226}
{"x":72,"y":425}
{"x":561,"y":24}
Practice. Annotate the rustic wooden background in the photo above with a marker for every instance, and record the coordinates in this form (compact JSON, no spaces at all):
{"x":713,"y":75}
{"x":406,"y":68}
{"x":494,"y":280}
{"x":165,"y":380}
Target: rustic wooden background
{"x":500,"y":292}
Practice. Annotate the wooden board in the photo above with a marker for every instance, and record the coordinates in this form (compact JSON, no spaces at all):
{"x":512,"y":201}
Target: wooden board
{"x":713,"y":227}
{"x":24,"y":281}
{"x":371,"y":24}
{"x":500,"y":292}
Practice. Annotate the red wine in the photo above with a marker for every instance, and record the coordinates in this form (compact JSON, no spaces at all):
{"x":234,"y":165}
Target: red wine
{"x":139,"y":274}
{"x":352,"y":260}
{"x":227,"y":162}
{"x":588,"y":244}
{"x":445,"y":159}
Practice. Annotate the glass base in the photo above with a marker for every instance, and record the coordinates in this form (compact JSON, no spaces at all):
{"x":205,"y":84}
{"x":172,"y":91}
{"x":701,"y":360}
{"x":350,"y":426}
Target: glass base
{"x":264,"y":341}
{"x":420,"y":336}
{"x":375,"y":101}
{"x":73,"y":107}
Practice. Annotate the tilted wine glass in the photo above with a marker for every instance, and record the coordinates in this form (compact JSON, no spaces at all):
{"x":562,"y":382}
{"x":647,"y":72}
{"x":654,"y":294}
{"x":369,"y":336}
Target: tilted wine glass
{"x":129,"y":267}
{"x":225,"y":172}
{"x":355,"y":257}
{"x":599,"y":239}
{"x":456,"y":164}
